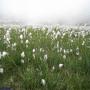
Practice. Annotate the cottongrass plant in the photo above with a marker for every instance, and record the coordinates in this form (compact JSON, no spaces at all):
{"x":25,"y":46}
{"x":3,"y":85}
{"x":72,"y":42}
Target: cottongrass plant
{"x":45,"y":57}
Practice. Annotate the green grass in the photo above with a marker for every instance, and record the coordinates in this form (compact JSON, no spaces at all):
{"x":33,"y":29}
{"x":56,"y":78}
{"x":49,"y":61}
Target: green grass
{"x":58,"y":46}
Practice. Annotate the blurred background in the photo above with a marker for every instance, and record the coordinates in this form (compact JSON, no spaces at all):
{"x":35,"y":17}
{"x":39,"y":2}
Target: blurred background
{"x":45,"y":11}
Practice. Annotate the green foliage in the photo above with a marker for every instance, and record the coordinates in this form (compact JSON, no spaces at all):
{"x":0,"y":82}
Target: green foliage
{"x":43,"y":52}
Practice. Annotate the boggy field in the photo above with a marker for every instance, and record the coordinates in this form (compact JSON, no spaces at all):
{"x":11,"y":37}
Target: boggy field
{"x":45,"y":58}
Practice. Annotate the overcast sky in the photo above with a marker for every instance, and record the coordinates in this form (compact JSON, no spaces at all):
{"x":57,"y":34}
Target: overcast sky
{"x":48,"y":11}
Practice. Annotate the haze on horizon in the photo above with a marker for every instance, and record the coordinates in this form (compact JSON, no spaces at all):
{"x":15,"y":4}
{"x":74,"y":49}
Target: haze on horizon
{"x":45,"y":11}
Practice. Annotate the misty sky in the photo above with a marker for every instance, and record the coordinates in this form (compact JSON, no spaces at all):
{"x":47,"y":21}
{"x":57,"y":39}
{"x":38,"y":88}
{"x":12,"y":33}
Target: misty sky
{"x":48,"y":11}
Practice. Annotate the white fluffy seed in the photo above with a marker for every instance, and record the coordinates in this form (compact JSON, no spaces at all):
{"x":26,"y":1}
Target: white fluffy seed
{"x":60,"y":65}
{"x":22,"y":61}
{"x":1,"y":70}
{"x":27,"y":42}
{"x":21,"y":36}
{"x":43,"y":82}
{"x":23,"y":54}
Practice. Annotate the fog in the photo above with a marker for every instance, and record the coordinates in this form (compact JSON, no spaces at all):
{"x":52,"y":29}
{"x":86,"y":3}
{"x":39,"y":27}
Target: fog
{"x":45,"y":11}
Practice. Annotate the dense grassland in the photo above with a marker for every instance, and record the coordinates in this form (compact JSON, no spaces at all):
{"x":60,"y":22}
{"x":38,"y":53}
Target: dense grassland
{"x":42,"y":58}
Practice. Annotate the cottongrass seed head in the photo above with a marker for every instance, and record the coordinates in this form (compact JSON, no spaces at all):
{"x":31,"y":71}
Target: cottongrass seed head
{"x":61,"y":65}
{"x":43,"y":82}
{"x":23,"y":54}
{"x":1,"y":70}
